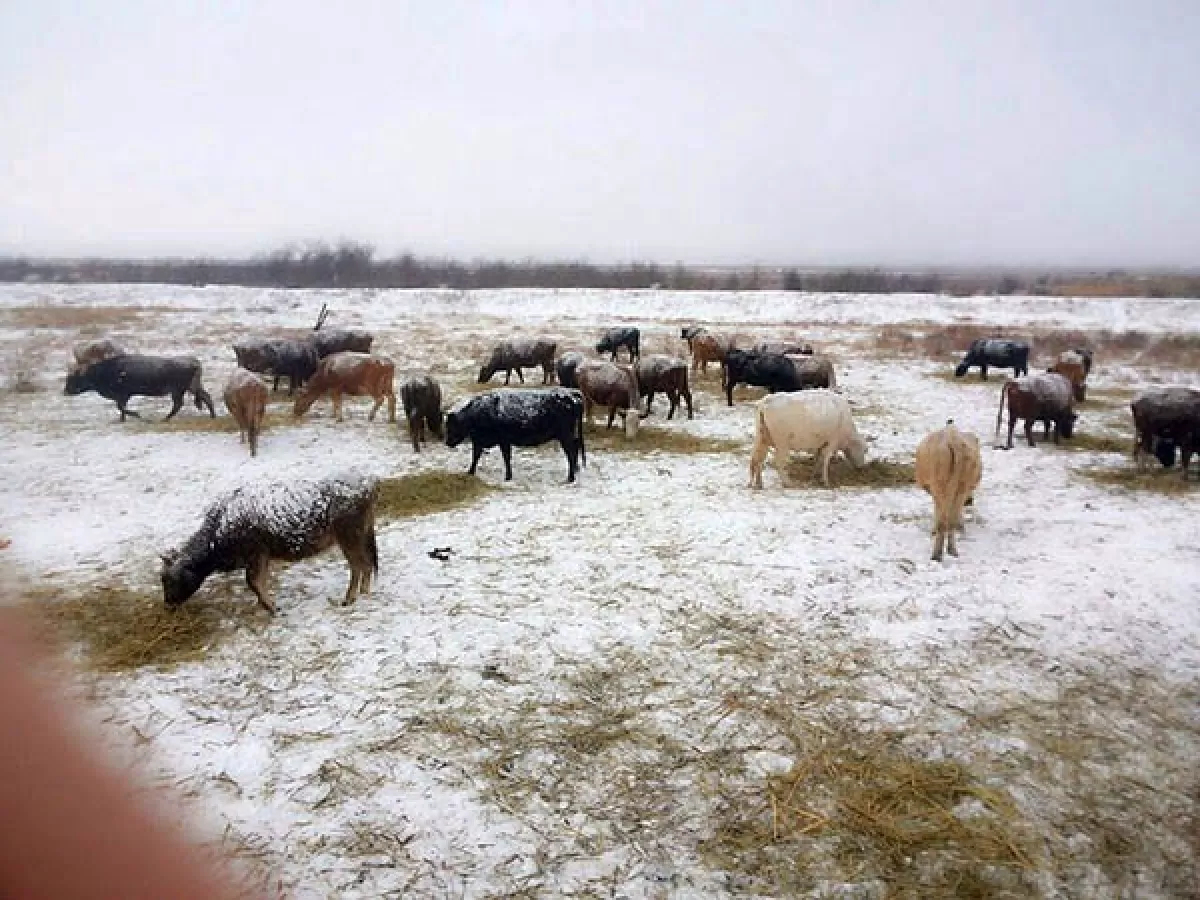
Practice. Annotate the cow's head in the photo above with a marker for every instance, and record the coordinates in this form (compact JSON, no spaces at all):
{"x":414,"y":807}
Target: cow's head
{"x":1066,"y":424}
{"x":456,"y":427}
{"x":604,"y":346}
{"x":179,"y":581}
{"x":961,"y":369}
{"x":77,"y":382}
{"x":856,"y":451}
{"x":486,"y":373}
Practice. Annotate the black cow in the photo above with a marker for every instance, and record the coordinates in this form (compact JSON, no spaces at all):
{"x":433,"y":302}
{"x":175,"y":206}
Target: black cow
{"x":616,"y":338}
{"x":565,"y":368}
{"x":799,"y":348}
{"x":774,"y":371}
{"x":422,"y":399}
{"x":1002,"y":354}
{"x":280,"y":358}
{"x":512,"y":418}
{"x":1164,"y":419}
{"x":328,"y":341}
{"x":132,"y":375}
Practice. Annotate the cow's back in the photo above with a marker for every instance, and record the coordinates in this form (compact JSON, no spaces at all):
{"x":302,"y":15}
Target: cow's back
{"x":806,"y":420}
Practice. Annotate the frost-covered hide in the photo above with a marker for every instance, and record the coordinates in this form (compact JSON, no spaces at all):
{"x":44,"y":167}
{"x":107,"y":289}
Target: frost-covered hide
{"x":246,"y":398}
{"x":514,"y":418}
{"x":1075,"y":367}
{"x":1047,"y":398}
{"x":773,"y":371}
{"x":997,"y":352}
{"x":566,"y":366}
{"x":89,"y":353}
{"x":612,"y":385}
{"x":1163,"y":419}
{"x":278,"y":357}
{"x":949,"y":469}
{"x":421,"y":397}
{"x":523,"y":353}
{"x":327,"y":341}
{"x":817,"y":421}
{"x":278,"y":520}
{"x":813,"y":371}
{"x":663,"y":374}
{"x":119,"y":378}
{"x":356,"y":374}
{"x":616,"y":338}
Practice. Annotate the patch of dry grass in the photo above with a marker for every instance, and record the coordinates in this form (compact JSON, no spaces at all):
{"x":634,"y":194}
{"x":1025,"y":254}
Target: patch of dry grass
{"x":427,"y":492}
{"x":1154,"y":478}
{"x":73,"y":316}
{"x":657,"y":440}
{"x":1098,"y":442}
{"x":200,"y":422}
{"x":876,"y":473}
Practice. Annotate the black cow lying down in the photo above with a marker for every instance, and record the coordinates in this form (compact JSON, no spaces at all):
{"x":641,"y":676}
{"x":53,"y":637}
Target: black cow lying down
{"x":132,"y":375}
{"x":513,"y":418}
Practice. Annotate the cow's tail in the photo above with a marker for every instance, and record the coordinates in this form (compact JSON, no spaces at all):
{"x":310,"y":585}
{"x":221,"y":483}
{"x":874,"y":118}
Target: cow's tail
{"x":579,"y":431}
{"x":200,"y":396}
{"x":1000,"y":411}
{"x":635,"y":392}
{"x":832,"y":376}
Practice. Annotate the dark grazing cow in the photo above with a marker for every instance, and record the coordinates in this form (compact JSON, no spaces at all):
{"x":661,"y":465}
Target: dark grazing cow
{"x":279,"y":357}
{"x":293,"y":520}
{"x":1001,"y":354}
{"x":511,"y":418}
{"x":814,"y":371}
{"x":614,"y":386}
{"x":1046,"y":398}
{"x":565,"y":368}
{"x":796,"y":348}
{"x":421,"y":397}
{"x":523,"y":353}
{"x":773,"y":371}
{"x":327,"y":341}
{"x":132,"y":375}
{"x":1163,"y":419}
{"x":616,"y":338}
{"x":666,"y":375}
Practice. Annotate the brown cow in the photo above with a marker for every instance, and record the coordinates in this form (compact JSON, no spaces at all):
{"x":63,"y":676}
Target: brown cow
{"x":667,"y":375}
{"x":1073,"y":366}
{"x":356,"y":374}
{"x":814,"y":371}
{"x":91,"y":352}
{"x":788,"y":348}
{"x":949,"y":468}
{"x":709,"y":347}
{"x":421,"y":397}
{"x":246,"y":399}
{"x":523,"y":353}
{"x":1038,"y":398}
{"x":612,"y":385}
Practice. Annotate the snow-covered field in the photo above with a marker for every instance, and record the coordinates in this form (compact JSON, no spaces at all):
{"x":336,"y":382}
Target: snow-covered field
{"x":601,"y":688}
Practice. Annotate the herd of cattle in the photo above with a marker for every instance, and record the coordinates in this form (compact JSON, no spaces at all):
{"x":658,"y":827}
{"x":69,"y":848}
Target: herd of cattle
{"x":803,"y":411}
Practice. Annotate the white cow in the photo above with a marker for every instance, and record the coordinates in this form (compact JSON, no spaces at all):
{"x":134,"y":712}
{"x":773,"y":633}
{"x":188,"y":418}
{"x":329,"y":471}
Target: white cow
{"x":818,"y":421}
{"x":949,"y":468}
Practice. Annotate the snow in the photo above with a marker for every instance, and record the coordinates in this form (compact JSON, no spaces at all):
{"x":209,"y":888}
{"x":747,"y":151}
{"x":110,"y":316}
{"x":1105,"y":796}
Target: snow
{"x":315,"y":727}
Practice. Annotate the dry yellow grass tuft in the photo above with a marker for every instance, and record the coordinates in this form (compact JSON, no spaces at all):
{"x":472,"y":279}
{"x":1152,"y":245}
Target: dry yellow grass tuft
{"x":876,"y":473}
{"x":73,"y":316}
{"x":657,"y":440}
{"x":1155,"y":478}
{"x":427,"y":492}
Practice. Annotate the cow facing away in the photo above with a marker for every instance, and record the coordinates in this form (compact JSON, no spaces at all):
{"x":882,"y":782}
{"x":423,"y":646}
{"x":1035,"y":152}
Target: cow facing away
{"x":814,"y":371}
{"x":280,"y":358}
{"x":1163,"y":419}
{"x":356,"y":374}
{"x":565,"y":368}
{"x":772,"y":371}
{"x":245,"y":397}
{"x":949,"y":469}
{"x":512,"y":418}
{"x":421,"y":397}
{"x":1046,"y":398}
{"x":523,"y":353}
{"x":604,"y":383}
{"x":998,"y":353}
{"x":616,"y":338}
{"x":89,"y":353}
{"x":255,"y":524}
{"x":706,"y":347}
{"x":817,"y":421}
{"x":119,"y":378}
{"x":659,"y":374}
{"x":1074,"y":367}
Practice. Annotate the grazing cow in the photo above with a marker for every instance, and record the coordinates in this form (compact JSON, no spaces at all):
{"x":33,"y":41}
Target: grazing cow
{"x":769,"y":370}
{"x":356,"y":374}
{"x":566,"y":366}
{"x":289,"y":521}
{"x":421,"y":397}
{"x":666,"y":375}
{"x":707,"y":347}
{"x":1046,"y":398}
{"x":91,"y":352}
{"x":1073,"y":367}
{"x":604,"y":383}
{"x":132,"y":375}
{"x":510,"y":418}
{"x":1163,"y":419}
{"x":818,"y":421}
{"x":789,"y":348}
{"x":949,"y":468}
{"x":246,"y":399}
{"x":279,"y":358}
{"x":814,"y":371}
{"x":339,"y":340}
{"x":1002,"y":354}
{"x":616,"y":338}
{"x":523,"y":353}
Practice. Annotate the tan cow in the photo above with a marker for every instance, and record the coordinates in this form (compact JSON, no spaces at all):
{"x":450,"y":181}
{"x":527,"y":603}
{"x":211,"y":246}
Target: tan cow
{"x":246,"y":399}
{"x":949,"y":468}
{"x":356,"y":374}
{"x":613,"y":385}
{"x":1074,"y":368}
{"x":818,"y":421}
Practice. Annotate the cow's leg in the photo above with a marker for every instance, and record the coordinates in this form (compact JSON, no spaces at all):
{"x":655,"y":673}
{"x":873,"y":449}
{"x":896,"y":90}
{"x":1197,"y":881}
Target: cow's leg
{"x":375,"y":409}
{"x":1029,"y":432}
{"x":350,"y":540}
{"x":336,"y":397}
{"x":476,"y":452}
{"x":687,"y":395}
{"x":176,"y":405}
{"x":521,"y":374}
{"x":824,"y":456}
{"x":612,"y":414}
{"x":122,"y":405}
{"x":507,"y":376}
{"x":1185,"y":451}
{"x":758,"y":456}
{"x":275,"y":384}
{"x":729,"y":394}
{"x":950,"y":529}
{"x":258,"y":574}
{"x":571,"y":449}
{"x":391,"y":399}
{"x":253,"y":438}
{"x":983,"y":371}
{"x":650,"y":403}
{"x":939,"y":530}
{"x":506,"y":452}
{"x":415,"y":426}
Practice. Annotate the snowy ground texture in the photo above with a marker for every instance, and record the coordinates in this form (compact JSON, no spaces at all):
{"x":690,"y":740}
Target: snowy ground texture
{"x":603,"y":688}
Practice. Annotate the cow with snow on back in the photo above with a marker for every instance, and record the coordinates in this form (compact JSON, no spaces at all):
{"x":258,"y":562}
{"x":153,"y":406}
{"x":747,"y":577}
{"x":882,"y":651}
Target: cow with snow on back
{"x":1164,"y":419}
{"x":614,"y":386}
{"x":616,"y":338}
{"x":1047,"y":398}
{"x":1075,"y":367}
{"x":817,"y":421}
{"x":662,"y":374}
{"x":255,"y":524}
{"x":246,"y":397}
{"x":998,"y":353}
{"x":564,"y":368}
{"x":421,"y":397}
{"x":280,"y":358}
{"x":522,"y":353}
{"x":949,"y":469}
{"x":120,"y":378}
{"x":507,"y":418}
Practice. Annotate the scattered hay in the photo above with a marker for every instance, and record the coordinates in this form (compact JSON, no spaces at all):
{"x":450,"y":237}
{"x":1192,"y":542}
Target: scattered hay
{"x":73,"y":316}
{"x":876,"y":473}
{"x":203,"y":423}
{"x":1098,"y":443}
{"x":1155,"y":478}
{"x":651,"y":439}
{"x":427,"y":492}
{"x":120,"y":629}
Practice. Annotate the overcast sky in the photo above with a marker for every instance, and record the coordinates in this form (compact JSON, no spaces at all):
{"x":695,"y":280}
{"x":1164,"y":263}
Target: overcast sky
{"x":839,"y":132}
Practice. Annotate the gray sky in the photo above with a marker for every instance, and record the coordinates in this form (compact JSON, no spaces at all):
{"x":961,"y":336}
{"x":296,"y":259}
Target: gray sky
{"x":837,"y":132}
